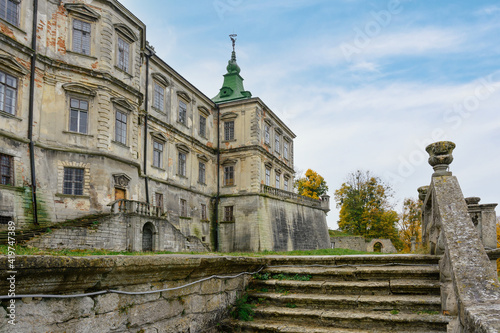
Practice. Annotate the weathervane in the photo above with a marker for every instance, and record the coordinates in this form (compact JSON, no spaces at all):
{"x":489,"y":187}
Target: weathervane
{"x":233,"y":39}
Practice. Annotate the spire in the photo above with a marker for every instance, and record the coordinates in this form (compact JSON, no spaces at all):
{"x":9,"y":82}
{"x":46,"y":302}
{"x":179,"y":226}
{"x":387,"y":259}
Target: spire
{"x":232,"y":88}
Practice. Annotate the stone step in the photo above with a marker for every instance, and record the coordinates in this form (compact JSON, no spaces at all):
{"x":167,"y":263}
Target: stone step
{"x":263,"y":326}
{"x":382,"y":259}
{"x":401,"y":303}
{"x":380,"y":287}
{"x":351,"y":273}
{"x":372,"y":321}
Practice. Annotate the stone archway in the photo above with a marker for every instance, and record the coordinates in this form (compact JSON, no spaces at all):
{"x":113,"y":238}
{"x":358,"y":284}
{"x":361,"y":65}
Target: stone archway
{"x":377,"y":247}
{"x":148,"y":232}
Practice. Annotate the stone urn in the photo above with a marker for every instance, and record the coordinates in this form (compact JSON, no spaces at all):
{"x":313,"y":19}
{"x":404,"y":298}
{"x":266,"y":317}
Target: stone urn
{"x":440,"y":157}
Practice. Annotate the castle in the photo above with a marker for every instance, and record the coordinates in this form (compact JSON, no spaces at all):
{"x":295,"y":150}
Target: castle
{"x":94,"y":122}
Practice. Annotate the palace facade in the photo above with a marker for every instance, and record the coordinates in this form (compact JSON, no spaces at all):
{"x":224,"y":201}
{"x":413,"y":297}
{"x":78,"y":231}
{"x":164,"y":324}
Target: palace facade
{"x":92,"y":121}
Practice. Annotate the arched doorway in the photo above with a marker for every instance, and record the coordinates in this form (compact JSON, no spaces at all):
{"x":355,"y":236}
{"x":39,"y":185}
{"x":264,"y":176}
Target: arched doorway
{"x":148,"y":237}
{"x":377,"y":247}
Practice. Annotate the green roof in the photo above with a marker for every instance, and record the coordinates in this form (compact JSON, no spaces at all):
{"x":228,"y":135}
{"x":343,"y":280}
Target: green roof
{"x":232,"y":88}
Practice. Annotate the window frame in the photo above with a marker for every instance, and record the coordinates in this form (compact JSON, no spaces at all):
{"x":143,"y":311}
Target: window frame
{"x":124,"y":128}
{"x":268,"y":177}
{"x":17,"y":4}
{"x":81,"y":37}
{"x":160,"y":90}
{"x":71,"y":179}
{"x":183,"y":208}
{"x":182,"y":162}
{"x":229,"y":175}
{"x":158,"y":153}
{"x":277,"y":147}
{"x":6,"y":169}
{"x":182,"y":112}
{"x":267,"y":134}
{"x":286,"y":183}
{"x":122,"y":63}
{"x":229,"y":130}
{"x":159,"y":201}
{"x":285,"y":149}
{"x":203,"y":126}
{"x":6,"y":87}
{"x":202,"y":172}
{"x":228,"y":213}
{"x":79,"y":110}
{"x":203,"y":212}
{"x":277,"y":178}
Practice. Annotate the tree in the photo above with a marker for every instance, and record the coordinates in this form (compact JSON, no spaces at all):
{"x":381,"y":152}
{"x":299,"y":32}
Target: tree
{"x":312,"y":185}
{"x":410,"y":223}
{"x":365,"y":209}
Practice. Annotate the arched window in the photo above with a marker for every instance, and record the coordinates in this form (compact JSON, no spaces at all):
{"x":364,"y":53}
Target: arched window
{"x":377,"y":247}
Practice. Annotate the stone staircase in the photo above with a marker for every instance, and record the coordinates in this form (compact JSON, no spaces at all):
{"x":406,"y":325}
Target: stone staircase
{"x":341,"y":294}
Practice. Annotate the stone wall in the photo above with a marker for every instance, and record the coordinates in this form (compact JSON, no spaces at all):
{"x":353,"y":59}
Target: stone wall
{"x":353,"y":243}
{"x":192,"y":309}
{"x":120,"y":232}
{"x":263,"y":222}
{"x":386,"y":245}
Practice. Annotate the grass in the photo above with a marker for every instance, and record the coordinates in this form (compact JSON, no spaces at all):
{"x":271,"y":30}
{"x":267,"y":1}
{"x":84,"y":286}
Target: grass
{"x":243,"y":310}
{"x":28,"y":250}
{"x":296,"y":277}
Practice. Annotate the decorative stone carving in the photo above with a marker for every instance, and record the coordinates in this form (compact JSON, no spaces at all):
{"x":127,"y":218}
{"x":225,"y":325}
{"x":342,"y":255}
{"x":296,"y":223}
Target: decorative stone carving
{"x":440,"y":157}
{"x":422,"y":192}
{"x":121,"y":179}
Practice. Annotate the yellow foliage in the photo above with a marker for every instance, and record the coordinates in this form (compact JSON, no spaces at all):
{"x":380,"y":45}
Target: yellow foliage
{"x":312,"y":185}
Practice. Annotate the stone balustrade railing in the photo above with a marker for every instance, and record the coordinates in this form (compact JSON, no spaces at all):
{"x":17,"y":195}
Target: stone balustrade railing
{"x":134,"y":206}
{"x":470,"y":288}
{"x":323,"y":203}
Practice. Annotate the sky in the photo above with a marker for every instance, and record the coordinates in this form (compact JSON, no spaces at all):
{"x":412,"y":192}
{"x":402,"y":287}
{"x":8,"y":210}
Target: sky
{"x":365,"y":85}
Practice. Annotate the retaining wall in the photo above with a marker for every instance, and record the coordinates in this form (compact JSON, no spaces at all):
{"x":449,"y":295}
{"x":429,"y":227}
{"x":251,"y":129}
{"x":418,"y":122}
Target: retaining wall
{"x":196,"y":308}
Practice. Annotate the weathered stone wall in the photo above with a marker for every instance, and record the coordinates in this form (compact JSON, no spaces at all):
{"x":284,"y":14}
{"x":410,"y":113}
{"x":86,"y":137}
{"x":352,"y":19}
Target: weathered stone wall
{"x":267,"y":223}
{"x":191,"y":309}
{"x":121,"y":232}
{"x":387,"y":246}
{"x":352,"y":243}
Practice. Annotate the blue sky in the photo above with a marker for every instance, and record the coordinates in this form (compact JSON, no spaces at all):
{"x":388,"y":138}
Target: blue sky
{"x":364,"y":84}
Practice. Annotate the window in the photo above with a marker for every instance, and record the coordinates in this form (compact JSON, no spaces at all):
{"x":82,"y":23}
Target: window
{"x":277,"y":180}
{"x":123,"y":54}
{"x":201,"y":173}
{"x":73,"y":181}
{"x":157,"y":154}
{"x":285,"y":184}
{"x":78,"y":116}
{"x":182,"y":164}
{"x":268,"y":177}
{"x":203,"y":126}
{"x":121,"y":127}
{"x":277,"y":143}
{"x":159,"y":97}
{"x":228,"y":214}
{"x":9,"y":11}
{"x":228,"y":130}
{"x":6,"y":170}
{"x":285,"y":149}
{"x":81,"y":37}
{"x":159,"y":201}
{"x":183,"y":208}
{"x":203,"y":212}
{"x":182,"y":112}
{"x":267,"y":136}
{"x":8,"y":92}
{"x":229,"y":175}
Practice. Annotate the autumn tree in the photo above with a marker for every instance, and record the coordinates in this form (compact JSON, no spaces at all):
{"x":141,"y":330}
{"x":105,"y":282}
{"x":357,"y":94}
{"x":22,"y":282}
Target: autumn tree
{"x":410,"y":223}
{"x":312,"y":185}
{"x":365,"y":209}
